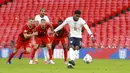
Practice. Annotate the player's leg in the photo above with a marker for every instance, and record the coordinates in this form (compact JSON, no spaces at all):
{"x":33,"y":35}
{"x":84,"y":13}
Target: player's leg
{"x":49,"y":46}
{"x":11,"y":56}
{"x":36,"y":56}
{"x":65,"y":53}
{"x":78,"y":45}
{"x":35,"y":48}
{"x":36,"y":44}
{"x":28,"y":50}
{"x":45,"y":50}
{"x":71,"y":53}
{"x":26,"y":46}
{"x":65,"y":47}
{"x":54,"y":43}
{"x":53,"y":47}
{"x":21,"y":54}
{"x":17,"y":46}
{"x":48,"y":43}
{"x":76,"y":52}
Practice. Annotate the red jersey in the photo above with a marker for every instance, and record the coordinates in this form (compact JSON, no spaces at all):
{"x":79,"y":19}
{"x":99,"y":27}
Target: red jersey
{"x":42,"y":31}
{"x":27,"y":30}
{"x":61,"y":33}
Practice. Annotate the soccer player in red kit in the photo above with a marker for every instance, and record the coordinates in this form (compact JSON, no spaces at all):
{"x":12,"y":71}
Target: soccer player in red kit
{"x":24,"y":39}
{"x":61,"y":36}
{"x":42,"y":37}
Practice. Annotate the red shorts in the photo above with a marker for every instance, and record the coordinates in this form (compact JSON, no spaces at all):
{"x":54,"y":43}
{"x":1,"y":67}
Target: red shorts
{"x":45,"y":40}
{"x":64,"y":40}
{"x":23,"y":44}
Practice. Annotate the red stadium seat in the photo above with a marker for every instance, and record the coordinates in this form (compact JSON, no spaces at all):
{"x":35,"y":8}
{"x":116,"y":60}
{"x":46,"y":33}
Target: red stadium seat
{"x":1,"y":1}
{"x":15,"y":14}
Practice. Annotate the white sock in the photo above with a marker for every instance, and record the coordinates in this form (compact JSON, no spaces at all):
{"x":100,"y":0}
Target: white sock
{"x":36,"y":56}
{"x":31,"y":61}
{"x":69,"y":64}
{"x":45,"y":53}
{"x":72,"y":54}
{"x":76,"y":54}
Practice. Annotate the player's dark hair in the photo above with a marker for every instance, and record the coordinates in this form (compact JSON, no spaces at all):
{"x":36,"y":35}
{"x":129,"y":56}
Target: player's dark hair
{"x":60,"y":20}
{"x":77,"y":12}
{"x":31,"y":18}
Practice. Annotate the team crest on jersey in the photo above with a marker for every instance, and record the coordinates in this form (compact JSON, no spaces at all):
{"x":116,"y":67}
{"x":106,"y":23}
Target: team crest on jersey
{"x":75,"y":28}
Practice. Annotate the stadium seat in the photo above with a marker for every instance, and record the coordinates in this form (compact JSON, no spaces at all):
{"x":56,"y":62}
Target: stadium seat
{"x":15,"y":14}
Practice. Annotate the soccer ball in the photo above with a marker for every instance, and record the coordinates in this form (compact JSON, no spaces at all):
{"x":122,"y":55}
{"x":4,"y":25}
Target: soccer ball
{"x":87,"y":59}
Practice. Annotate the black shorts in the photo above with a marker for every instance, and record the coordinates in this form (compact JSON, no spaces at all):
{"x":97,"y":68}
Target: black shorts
{"x":75,"y":41}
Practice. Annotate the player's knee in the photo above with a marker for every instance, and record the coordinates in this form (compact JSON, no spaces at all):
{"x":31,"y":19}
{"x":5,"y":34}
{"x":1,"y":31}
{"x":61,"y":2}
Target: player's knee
{"x":65,"y":47}
{"x":28,"y":50}
{"x":49,"y":46}
{"x":71,"y":46}
{"x":36,"y":46}
{"x":77,"y":48}
{"x":15,"y":50}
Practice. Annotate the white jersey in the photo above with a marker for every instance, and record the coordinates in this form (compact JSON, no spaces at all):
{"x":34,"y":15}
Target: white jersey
{"x":75,"y":26}
{"x":38,"y":18}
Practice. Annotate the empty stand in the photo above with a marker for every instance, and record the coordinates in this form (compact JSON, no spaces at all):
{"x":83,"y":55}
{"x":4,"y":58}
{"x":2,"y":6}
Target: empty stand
{"x":114,"y":32}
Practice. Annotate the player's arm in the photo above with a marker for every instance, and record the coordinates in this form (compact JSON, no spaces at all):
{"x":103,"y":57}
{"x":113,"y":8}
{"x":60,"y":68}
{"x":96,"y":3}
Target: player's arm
{"x":61,"y":26}
{"x":89,"y":31}
{"x":29,"y":35}
{"x":47,"y":20}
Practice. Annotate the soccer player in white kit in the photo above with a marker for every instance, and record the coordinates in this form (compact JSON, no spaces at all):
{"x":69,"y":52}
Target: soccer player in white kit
{"x":75,"y":24}
{"x":38,"y":18}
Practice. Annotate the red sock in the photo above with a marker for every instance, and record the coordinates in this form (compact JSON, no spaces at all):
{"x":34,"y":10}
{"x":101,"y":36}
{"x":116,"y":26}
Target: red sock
{"x":11,"y":56}
{"x":65,"y":55}
{"x":52,"y":51}
{"x":50,"y":54}
{"x":33,"y":53}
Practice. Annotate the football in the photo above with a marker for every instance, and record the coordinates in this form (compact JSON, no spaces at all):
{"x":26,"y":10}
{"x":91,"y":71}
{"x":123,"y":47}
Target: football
{"x":87,"y":59}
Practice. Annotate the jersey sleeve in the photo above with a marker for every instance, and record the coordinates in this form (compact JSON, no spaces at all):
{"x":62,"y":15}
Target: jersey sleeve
{"x":88,"y":29}
{"x":24,"y":30}
{"x":62,"y":25}
{"x":47,"y":19}
{"x":83,"y":21}
{"x":36,"y":18}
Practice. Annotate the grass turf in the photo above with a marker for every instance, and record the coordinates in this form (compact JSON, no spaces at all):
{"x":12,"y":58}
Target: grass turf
{"x":97,"y":66}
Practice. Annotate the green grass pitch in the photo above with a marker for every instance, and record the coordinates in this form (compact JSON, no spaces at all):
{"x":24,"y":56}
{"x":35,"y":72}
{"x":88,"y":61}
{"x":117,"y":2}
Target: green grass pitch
{"x":97,"y":66}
